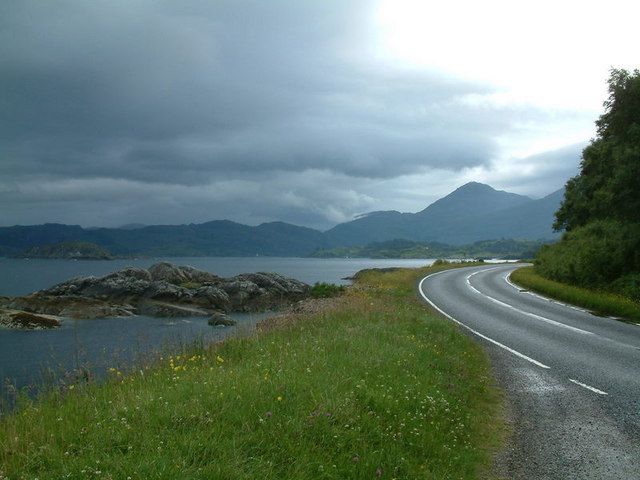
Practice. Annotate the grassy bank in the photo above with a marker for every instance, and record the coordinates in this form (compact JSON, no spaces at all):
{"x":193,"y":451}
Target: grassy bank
{"x":601,"y":303}
{"x":374,"y":387}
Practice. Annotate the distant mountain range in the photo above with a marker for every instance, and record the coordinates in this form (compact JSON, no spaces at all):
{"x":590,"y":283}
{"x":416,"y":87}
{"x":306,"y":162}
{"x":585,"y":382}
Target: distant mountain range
{"x":471,"y":213}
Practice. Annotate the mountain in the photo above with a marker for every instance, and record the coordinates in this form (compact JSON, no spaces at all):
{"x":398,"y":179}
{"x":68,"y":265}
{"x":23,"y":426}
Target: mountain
{"x":532,"y":220}
{"x":216,"y":238}
{"x":441,"y":221}
{"x":471,"y":213}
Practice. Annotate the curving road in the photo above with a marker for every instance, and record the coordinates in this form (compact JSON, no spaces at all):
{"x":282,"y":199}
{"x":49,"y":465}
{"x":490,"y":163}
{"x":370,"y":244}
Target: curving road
{"x":572,"y":379}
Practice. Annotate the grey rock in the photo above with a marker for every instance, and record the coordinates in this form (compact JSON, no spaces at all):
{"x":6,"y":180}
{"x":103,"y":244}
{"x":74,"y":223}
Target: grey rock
{"x":178,"y":275}
{"x":27,"y":321}
{"x":212,"y":297}
{"x":161,"y":309}
{"x":165,"y":290}
{"x":220,"y":319}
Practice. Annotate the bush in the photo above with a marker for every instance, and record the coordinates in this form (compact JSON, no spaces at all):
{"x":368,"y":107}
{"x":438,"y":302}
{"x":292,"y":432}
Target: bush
{"x":628,"y":286}
{"x":594,"y":255}
{"x":326,"y":290}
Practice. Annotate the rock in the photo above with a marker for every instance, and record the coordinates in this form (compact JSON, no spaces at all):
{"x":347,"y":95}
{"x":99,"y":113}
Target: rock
{"x":162,"y":309}
{"x":27,"y":321}
{"x":263,"y":291}
{"x":165,"y":290}
{"x":72,"y":306}
{"x":162,"y":290}
{"x":220,"y":319}
{"x":179,"y":275}
{"x":212,"y":297}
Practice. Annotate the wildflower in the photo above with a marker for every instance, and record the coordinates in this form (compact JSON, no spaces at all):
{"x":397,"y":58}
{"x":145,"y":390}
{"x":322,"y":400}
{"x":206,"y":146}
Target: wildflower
{"x":219,"y":359}
{"x":279,"y":398}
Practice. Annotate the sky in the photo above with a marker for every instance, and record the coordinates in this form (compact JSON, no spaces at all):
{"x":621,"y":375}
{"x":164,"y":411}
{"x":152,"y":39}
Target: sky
{"x":310,"y":112}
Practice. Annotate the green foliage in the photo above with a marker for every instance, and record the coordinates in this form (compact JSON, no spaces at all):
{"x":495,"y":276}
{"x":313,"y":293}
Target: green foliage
{"x":601,"y":208}
{"x":375,"y":389}
{"x":601,"y":303}
{"x":502,"y":248}
{"x":191,"y":285}
{"x":607,"y":186}
{"x":593,"y":255}
{"x":326,"y":290}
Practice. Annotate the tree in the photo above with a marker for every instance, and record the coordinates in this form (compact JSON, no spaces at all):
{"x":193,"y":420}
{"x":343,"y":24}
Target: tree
{"x":608,"y":186}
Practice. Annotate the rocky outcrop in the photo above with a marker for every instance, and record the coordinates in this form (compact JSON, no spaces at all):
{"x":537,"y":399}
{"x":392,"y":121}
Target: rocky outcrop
{"x":164,"y":290}
{"x":26,"y":321}
{"x":221,"y":320}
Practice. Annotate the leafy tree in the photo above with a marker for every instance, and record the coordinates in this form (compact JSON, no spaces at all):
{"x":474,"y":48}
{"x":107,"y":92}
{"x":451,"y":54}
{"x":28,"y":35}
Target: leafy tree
{"x":608,"y":186}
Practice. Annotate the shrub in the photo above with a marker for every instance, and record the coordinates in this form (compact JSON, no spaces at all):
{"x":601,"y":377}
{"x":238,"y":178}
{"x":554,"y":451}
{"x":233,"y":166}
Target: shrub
{"x":326,"y":290}
{"x":594,"y":255}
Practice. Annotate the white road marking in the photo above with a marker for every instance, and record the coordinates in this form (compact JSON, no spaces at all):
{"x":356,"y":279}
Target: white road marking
{"x":541,"y":297}
{"x":588,"y":387}
{"x":522,"y":312}
{"x":508,"y":349}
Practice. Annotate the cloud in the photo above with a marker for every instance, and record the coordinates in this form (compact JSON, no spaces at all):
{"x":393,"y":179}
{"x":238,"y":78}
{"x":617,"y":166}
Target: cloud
{"x":170,"y":112}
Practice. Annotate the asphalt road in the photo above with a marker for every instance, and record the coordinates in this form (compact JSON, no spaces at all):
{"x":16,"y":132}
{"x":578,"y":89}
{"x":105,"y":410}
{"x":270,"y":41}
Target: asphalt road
{"x":572,"y":379}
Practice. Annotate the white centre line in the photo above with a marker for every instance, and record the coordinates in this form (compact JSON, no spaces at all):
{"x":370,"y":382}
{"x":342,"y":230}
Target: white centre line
{"x":588,"y":387}
{"x":495,"y":342}
{"x":522,"y":312}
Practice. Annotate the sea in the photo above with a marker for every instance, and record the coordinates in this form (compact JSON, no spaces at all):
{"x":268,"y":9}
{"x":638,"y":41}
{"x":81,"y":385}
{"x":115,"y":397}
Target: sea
{"x":33,"y":360}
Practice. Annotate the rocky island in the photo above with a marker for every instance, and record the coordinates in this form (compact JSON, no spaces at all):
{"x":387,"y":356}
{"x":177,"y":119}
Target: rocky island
{"x":163,"y":290}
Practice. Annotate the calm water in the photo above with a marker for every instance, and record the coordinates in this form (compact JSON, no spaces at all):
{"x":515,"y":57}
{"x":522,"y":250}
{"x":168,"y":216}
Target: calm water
{"x":22,"y":276}
{"x":34,"y":357}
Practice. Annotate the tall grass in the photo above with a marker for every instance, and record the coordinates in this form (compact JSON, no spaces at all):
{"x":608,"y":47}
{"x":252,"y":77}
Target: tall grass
{"x":601,"y":303}
{"x":375,"y":388}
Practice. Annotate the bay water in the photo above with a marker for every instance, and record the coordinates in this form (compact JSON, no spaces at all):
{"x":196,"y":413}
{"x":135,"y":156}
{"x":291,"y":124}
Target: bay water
{"x":50,"y":357}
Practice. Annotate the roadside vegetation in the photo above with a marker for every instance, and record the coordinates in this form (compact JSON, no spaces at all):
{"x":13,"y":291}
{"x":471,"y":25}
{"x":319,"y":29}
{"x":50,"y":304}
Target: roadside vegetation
{"x":597,"y":301}
{"x":326,"y":290}
{"x":601,"y":208}
{"x":373,"y":387}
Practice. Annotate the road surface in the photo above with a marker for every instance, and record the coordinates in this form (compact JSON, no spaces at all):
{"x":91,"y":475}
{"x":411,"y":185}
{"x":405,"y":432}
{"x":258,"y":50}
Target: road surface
{"x":572,"y":379}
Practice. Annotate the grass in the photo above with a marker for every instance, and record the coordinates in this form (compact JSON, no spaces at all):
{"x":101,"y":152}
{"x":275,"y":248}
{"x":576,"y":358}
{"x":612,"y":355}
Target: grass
{"x":600,"y":303}
{"x":376,"y":387}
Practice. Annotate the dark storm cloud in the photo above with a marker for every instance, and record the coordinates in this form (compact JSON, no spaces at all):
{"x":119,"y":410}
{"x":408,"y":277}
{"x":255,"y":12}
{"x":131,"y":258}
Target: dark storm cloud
{"x":185,"y":111}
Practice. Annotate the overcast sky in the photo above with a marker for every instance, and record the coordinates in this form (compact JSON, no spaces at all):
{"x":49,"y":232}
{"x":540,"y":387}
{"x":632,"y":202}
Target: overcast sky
{"x":311,"y":112}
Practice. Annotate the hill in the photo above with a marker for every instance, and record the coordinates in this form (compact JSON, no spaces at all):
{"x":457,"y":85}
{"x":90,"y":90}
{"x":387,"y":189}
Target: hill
{"x":69,"y":251}
{"x":507,"y":249}
{"x":469,"y":214}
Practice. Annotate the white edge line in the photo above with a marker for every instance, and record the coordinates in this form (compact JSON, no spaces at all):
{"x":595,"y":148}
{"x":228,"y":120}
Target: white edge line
{"x":510,"y":350}
{"x":588,"y":387}
{"x":523,"y":312}
{"x":507,"y":278}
